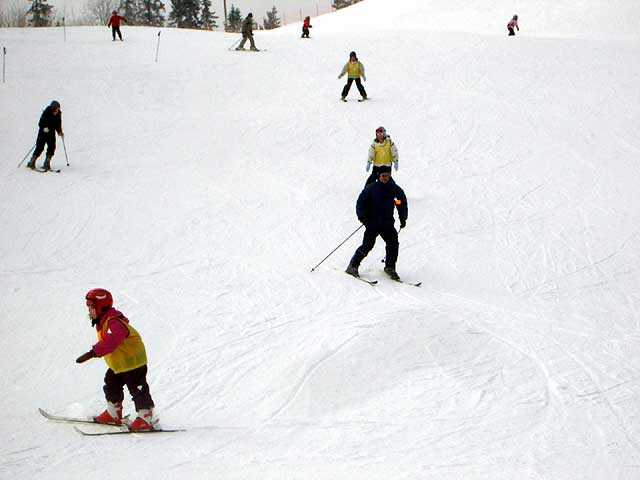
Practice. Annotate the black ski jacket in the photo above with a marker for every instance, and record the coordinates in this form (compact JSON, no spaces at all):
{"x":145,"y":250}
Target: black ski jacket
{"x":50,"y":121}
{"x":376,"y":203}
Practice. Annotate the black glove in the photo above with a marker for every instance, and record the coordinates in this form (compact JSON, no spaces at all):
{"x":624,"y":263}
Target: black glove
{"x":363,"y":221}
{"x":86,"y":356}
{"x":403,"y":223}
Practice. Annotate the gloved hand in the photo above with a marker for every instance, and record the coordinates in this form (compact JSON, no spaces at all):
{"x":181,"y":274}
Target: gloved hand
{"x":368,"y":166}
{"x":395,"y":165}
{"x":363,"y":221}
{"x":62,"y":135}
{"x":364,"y":79}
{"x":86,"y":356}
{"x":45,"y":129}
{"x":403,"y":223}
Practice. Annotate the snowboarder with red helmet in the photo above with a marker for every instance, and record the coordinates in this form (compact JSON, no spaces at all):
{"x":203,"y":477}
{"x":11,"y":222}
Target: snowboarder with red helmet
{"x":124,"y":353}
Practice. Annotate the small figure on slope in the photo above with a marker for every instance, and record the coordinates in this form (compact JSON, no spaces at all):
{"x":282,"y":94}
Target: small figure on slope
{"x":50,"y":123}
{"x":123,"y":350}
{"x":513,"y":23}
{"x":306,"y":25}
{"x":247,"y":33}
{"x":374,"y":208}
{"x":354,"y":70}
{"x":382,"y":153}
{"x":114,"y":23}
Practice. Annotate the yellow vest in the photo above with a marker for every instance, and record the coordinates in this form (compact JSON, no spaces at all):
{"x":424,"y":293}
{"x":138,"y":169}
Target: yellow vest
{"x":383,"y":155}
{"x":129,"y":355}
{"x":353,"y":70}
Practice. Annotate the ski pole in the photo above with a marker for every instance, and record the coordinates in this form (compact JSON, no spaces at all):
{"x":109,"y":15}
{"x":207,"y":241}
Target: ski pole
{"x":343,"y":242}
{"x":65,"y":150}
{"x":4,"y":54}
{"x":25,"y":157}
{"x":235,"y":44}
{"x":158,"y":46}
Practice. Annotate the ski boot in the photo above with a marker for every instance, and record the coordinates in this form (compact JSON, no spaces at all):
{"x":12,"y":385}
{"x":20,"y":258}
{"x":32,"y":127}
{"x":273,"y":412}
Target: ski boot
{"x":32,"y":163}
{"x":353,"y":271}
{"x":343,"y":98}
{"x":112,"y":415}
{"x":254,"y":49}
{"x":393,"y":275}
{"x":143,"y":422}
{"x":47,"y":163}
{"x":239,"y":49}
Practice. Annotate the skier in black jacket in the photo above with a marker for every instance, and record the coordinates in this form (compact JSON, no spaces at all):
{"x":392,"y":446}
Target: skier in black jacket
{"x":50,"y":123}
{"x":375,"y":210}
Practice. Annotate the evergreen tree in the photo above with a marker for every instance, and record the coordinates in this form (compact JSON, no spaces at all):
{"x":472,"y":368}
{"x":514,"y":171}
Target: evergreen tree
{"x":272,"y":21}
{"x":207,"y":17}
{"x":338,"y":4}
{"x":234,"y":20}
{"x":40,"y":13}
{"x":130,"y":9}
{"x":184,"y":13}
{"x":151,"y":12}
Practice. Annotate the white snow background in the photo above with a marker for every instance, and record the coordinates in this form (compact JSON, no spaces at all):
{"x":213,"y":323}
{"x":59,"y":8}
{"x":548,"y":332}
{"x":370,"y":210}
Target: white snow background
{"x":203,"y":188}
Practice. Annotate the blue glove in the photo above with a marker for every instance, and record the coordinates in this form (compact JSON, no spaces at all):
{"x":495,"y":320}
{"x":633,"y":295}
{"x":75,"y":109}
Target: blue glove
{"x":368,"y":166}
{"x":395,"y":165}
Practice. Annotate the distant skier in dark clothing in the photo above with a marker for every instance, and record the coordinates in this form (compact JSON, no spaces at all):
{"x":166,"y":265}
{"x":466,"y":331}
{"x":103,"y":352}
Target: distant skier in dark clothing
{"x":375,"y":208}
{"x":50,"y":123}
{"x":247,"y":33}
{"x":513,"y":23}
{"x":114,"y":23}
{"x":306,"y":25}
{"x":354,"y":70}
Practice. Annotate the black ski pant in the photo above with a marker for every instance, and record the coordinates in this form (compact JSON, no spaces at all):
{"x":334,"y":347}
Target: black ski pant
{"x":347,"y":87}
{"x":244,"y":40}
{"x":511,"y":32}
{"x":48,"y":139}
{"x":305,"y":32}
{"x":389,"y":235}
{"x":136,"y":382}
{"x":115,"y":30}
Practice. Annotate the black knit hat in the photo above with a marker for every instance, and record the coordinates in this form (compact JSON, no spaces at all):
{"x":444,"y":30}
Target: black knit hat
{"x":384,"y":169}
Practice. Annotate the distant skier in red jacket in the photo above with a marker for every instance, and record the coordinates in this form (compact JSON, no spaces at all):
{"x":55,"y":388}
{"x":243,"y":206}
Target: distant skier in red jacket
{"x":114,"y":23}
{"x":306,"y":25}
{"x":513,"y":23}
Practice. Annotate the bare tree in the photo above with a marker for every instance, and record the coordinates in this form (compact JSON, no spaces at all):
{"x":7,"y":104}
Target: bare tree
{"x":100,"y":10}
{"x":13,"y":14}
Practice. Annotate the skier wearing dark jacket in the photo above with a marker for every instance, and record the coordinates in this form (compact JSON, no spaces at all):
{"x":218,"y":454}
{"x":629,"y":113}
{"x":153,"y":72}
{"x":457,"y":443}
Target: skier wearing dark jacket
{"x":247,"y":33}
{"x":375,"y":207}
{"x":50,"y":123}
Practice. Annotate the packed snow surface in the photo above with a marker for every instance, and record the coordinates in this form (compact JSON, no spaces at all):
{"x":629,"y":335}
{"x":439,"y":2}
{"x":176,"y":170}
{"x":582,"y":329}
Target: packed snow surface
{"x":203,"y":188}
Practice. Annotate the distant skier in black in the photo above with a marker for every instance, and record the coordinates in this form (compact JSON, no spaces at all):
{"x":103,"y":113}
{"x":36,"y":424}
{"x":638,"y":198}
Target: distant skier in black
{"x":375,"y":208}
{"x":50,"y":123}
{"x":513,"y":23}
{"x":306,"y":25}
{"x":247,"y":34}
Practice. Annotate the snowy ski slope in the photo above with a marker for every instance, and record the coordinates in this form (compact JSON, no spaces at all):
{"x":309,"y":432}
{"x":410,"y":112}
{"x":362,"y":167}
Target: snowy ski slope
{"x":204,"y":187}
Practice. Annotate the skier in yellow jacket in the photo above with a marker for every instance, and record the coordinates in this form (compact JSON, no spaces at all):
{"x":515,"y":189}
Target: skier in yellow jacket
{"x":354,"y":69}
{"x":123,"y":351}
{"x":382,"y":153}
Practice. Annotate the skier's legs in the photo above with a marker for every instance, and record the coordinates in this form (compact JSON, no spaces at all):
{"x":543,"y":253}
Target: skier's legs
{"x":244,"y":40}
{"x":511,"y":32}
{"x":361,"y":88}
{"x":347,"y":87}
{"x":136,"y":381}
{"x":51,"y":145}
{"x":253,"y":44}
{"x":368,"y":241}
{"x":119,"y":33}
{"x":40,"y":143}
{"x":390,"y":236}
{"x":375,"y":173}
{"x":113,"y":387}
{"x":113,"y":32}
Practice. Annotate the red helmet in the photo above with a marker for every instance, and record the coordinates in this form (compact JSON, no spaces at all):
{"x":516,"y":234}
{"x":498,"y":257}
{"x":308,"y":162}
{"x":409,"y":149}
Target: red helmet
{"x":100,"y":299}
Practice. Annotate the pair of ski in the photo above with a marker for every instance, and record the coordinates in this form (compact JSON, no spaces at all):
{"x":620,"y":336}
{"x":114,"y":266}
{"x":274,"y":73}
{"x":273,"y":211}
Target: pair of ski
{"x":375,"y":282}
{"x":59,"y":418}
{"x":52,"y":170}
{"x":359,"y":100}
